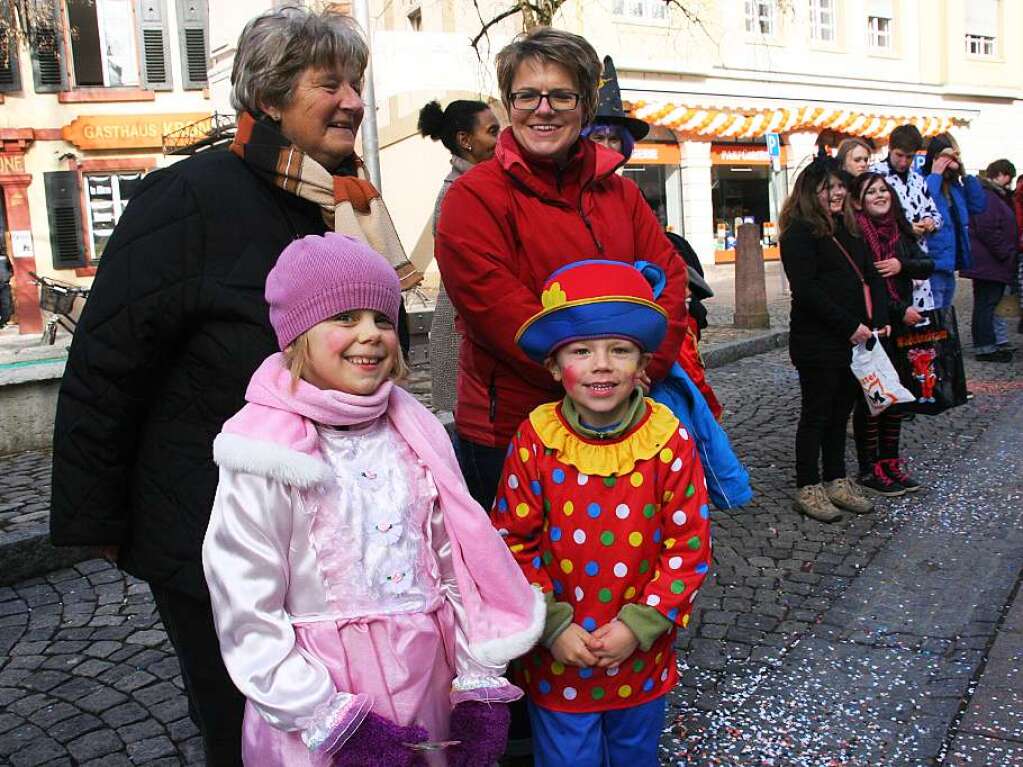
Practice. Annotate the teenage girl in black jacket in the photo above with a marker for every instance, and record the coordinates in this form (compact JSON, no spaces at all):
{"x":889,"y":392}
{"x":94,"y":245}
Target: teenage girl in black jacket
{"x":882,"y":224}
{"x":837,"y":298}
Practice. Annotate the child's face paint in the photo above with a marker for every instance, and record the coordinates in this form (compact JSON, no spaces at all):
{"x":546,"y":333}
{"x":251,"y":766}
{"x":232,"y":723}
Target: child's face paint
{"x":599,"y":375}
{"x":353,"y":352}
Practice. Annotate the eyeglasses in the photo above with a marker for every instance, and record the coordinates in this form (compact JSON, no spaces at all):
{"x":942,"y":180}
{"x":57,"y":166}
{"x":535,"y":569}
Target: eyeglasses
{"x":559,"y":101}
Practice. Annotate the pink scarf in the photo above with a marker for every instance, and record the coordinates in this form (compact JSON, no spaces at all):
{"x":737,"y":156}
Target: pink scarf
{"x":505,"y":613}
{"x":882,"y":236}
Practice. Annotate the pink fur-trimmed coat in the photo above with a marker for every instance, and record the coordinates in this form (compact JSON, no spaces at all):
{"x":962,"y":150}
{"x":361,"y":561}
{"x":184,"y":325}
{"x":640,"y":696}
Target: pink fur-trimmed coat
{"x":275,"y":576}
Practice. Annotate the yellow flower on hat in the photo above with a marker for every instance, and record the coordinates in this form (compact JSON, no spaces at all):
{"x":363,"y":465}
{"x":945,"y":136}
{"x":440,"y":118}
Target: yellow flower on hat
{"x":553,"y":296}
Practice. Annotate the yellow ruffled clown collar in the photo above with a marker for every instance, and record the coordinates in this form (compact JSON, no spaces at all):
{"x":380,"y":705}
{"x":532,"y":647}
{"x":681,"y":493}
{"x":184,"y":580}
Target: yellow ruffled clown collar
{"x":604,"y":458}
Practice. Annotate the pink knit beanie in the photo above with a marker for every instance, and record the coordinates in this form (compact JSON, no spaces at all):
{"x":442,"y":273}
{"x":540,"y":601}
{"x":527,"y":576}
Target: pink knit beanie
{"x":316,"y":278}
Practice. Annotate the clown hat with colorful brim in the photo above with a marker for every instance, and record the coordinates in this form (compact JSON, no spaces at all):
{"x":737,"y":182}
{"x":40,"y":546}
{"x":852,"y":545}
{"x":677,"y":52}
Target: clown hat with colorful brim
{"x":593,"y":299}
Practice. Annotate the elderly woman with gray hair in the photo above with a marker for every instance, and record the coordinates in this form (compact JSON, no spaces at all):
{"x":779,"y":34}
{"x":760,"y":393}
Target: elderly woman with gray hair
{"x":176,"y":324}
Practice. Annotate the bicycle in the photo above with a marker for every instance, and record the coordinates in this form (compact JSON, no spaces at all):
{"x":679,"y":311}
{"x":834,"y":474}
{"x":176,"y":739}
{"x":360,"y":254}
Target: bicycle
{"x":58,"y":299}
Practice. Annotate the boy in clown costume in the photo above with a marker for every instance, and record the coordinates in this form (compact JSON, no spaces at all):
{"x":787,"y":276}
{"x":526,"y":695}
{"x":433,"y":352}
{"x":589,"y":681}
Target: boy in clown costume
{"x":603,"y":503}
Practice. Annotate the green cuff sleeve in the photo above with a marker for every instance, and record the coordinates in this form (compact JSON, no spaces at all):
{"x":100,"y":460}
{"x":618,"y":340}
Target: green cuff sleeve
{"x":559,"y":618}
{"x":645,"y":622}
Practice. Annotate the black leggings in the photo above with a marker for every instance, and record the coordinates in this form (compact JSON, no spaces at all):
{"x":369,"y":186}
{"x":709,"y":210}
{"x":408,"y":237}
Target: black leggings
{"x":877,"y":436}
{"x":828,"y":395}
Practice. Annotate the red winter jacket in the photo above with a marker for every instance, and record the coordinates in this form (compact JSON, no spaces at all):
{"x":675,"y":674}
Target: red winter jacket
{"x":504,"y":227}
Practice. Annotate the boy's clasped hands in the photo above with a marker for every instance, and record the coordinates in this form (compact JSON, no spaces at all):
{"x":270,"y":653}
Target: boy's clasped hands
{"x":609,"y":645}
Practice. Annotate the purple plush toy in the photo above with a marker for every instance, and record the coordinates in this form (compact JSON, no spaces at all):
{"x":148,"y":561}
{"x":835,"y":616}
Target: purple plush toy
{"x":482,"y":729}
{"x":378,"y":741}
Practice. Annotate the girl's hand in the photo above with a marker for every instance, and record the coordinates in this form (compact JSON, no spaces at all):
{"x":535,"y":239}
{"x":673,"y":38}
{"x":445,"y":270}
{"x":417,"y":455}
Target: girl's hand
{"x":941,"y":163}
{"x":928,"y":224}
{"x":862,"y":334}
{"x":889,"y":267}
{"x":885,"y":331}
{"x":575,"y":646}
{"x":912,"y":316}
{"x":618,"y":643}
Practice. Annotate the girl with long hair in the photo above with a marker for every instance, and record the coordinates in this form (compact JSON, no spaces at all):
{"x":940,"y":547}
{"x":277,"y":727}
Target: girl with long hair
{"x":879,"y":219}
{"x":837,"y":301}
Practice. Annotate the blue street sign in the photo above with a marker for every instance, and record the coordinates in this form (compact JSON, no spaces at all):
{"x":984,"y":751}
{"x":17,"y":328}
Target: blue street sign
{"x":773,"y":144}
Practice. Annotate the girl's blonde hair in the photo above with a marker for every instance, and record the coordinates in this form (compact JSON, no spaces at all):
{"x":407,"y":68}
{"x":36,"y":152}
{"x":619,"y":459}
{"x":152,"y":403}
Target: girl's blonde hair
{"x":296,"y":355}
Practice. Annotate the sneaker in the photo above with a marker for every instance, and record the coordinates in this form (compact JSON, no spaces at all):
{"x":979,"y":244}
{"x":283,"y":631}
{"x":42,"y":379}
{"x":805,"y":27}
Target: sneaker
{"x":895,"y":468}
{"x":845,"y":494}
{"x":1005,"y":346}
{"x":880,"y":482}
{"x":999,"y":355}
{"x":813,"y":501}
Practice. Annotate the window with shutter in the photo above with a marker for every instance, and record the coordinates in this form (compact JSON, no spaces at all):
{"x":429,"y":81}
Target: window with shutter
{"x":48,"y":69}
{"x":154,"y":41}
{"x":193,"y":25}
{"x":64,"y":210}
{"x":10,"y":77}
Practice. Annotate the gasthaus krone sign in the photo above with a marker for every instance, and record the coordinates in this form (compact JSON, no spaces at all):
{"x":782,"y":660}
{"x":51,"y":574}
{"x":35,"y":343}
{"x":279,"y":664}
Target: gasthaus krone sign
{"x":130,"y":131}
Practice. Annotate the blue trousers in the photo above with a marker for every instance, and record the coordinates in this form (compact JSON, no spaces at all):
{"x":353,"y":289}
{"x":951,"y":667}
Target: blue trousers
{"x":626,"y":737}
{"x":943,"y":286}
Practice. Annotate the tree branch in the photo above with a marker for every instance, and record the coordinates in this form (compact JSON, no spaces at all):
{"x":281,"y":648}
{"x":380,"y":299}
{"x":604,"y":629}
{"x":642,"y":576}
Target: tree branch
{"x":488,"y":24}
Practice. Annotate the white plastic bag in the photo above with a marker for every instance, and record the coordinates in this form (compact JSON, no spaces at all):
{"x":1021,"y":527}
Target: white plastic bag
{"x":877,"y":376}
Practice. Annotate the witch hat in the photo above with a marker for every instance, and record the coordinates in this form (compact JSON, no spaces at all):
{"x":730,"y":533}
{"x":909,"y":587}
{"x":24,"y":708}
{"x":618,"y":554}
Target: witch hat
{"x":609,"y":104}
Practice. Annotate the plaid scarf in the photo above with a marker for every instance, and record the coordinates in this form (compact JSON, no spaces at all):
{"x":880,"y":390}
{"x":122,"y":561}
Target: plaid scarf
{"x":350,"y":203}
{"x":882,"y":236}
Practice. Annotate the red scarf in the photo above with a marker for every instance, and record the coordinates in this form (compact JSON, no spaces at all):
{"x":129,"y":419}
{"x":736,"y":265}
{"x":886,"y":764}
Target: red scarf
{"x":882,"y":236}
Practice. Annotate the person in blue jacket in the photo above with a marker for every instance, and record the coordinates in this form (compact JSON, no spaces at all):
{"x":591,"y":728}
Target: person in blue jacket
{"x":958,"y":197}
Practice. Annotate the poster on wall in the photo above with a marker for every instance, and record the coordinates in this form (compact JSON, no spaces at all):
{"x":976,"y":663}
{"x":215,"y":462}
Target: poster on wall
{"x":21,"y":244}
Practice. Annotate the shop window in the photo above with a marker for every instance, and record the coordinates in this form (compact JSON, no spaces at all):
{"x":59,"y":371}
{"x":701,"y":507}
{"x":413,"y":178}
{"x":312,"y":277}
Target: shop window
{"x":879,"y":33}
{"x":107,"y":194}
{"x":982,"y":28}
{"x":102,"y":39}
{"x":822,"y":20}
{"x":760,"y":17}
{"x":641,"y":10}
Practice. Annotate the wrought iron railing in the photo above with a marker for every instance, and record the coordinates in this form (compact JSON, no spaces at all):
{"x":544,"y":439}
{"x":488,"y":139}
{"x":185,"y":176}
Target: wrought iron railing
{"x":215,"y":130}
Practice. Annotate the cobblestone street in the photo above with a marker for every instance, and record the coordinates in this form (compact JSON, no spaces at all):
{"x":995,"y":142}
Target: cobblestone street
{"x":858,"y":643}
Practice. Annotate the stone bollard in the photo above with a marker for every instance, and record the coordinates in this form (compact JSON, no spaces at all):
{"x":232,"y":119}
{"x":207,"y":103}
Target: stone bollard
{"x":750,"y":286}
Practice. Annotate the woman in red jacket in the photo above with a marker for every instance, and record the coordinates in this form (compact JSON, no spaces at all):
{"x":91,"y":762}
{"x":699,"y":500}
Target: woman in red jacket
{"x":545,"y":200}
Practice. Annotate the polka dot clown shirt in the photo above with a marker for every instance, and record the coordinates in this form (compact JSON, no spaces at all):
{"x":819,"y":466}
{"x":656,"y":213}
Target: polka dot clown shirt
{"x":604,"y":524}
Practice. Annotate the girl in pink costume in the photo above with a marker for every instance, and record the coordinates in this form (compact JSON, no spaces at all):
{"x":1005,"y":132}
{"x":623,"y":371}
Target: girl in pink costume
{"x":365,"y":606}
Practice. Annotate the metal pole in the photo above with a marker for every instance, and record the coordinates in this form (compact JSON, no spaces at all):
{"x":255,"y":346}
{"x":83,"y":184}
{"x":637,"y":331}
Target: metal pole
{"x":370,"y":142}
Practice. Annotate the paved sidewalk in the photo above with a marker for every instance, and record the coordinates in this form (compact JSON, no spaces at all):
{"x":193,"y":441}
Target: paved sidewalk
{"x":882,"y":640}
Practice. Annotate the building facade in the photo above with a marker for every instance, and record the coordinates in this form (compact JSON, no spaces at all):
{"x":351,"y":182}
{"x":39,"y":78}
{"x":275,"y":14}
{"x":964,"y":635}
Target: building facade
{"x":714,"y":84}
{"x":84,"y":118}
{"x":84,"y":110}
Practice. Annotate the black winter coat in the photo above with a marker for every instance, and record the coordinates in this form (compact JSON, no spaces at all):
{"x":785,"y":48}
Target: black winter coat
{"x":827,"y":296}
{"x":916,"y":265}
{"x":174,"y":327}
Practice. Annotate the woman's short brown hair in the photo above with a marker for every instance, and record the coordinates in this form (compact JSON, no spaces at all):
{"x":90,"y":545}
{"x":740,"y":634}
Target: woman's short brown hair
{"x":571,"y":51}
{"x":296,"y":356}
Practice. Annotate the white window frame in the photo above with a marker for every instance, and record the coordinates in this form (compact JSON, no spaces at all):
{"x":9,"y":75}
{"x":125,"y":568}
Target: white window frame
{"x":878,"y":38}
{"x":117,"y":203}
{"x":761,"y":17}
{"x":654,"y":11}
{"x":981,"y":45}
{"x":821,"y":32}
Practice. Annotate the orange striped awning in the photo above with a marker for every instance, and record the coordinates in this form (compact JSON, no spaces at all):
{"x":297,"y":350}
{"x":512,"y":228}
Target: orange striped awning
{"x":717,"y":122}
